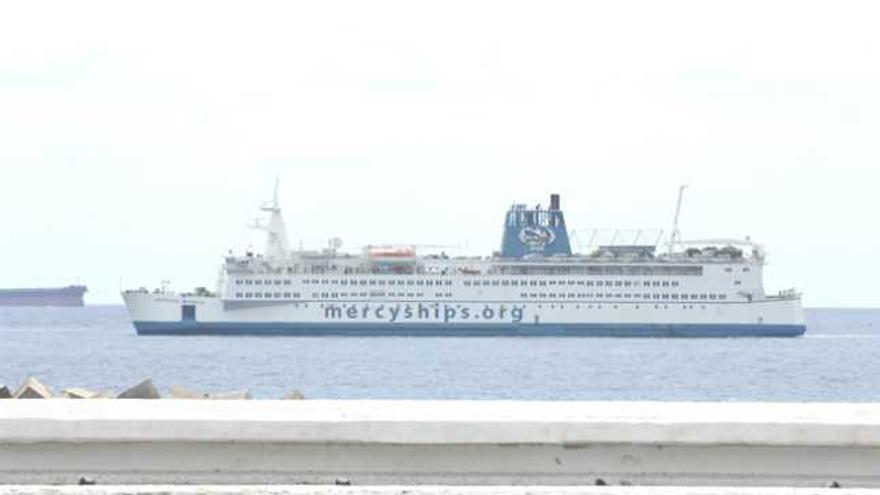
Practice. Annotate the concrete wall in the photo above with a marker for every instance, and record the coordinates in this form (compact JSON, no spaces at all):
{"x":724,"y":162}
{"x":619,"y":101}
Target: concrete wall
{"x":428,"y":442}
{"x":415,"y":490}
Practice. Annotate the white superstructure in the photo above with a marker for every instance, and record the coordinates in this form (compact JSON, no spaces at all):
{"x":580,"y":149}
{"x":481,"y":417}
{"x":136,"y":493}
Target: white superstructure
{"x":534,"y":286}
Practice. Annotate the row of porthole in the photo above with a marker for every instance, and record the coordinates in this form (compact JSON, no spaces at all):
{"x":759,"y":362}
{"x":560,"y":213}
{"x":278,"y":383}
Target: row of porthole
{"x":589,"y":295}
{"x":615,"y":306}
{"x":587,"y":283}
{"x":266,"y":295}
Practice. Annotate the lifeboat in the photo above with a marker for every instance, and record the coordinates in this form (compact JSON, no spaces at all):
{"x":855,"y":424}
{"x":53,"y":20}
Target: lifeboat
{"x":391,"y":254}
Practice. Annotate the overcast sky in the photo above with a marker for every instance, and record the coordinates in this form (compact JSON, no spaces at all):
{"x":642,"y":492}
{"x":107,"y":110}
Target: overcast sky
{"x":136,"y":139}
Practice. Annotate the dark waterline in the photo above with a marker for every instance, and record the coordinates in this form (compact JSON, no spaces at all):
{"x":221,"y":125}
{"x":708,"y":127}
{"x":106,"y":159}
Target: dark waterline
{"x":95,"y":347}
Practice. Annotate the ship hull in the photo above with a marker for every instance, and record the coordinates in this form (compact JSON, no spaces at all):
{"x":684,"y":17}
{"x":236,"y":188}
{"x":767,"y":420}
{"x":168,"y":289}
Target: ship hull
{"x":62,"y":296}
{"x":466,"y":330}
{"x":160,"y":314}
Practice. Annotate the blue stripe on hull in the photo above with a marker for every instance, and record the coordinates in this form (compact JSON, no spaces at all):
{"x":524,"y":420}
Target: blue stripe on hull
{"x":468,"y":330}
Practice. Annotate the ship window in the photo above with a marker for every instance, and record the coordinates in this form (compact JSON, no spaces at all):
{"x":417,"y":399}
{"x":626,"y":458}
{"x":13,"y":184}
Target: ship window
{"x":258,"y":295}
{"x":268,"y":282}
{"x":238,"y":294}
{"x":737,"y":282}
{"x":571,"y":294}
{"x":746,"y":269}
{"x":712,"y":296}
{"x":627,"y":283}
{"x":608,"y":296}
{"x":552,"y":282}
{"x":533,"y":283}
{"x":514,"y":283}
{"x":580,"y":282}
{"x":665,"y":284}
{"x":410,"y":282}
{"x":278,"y":282}
{"x":258,"y":282}
{"x":277,"y":294}
{"x":505,"y":283}
{"x":674,"y":283}
{"x":542,"y":282}
{"x":268,"y":295}
{"x":467,"y":283}
{"x":343,"y":282}
{"x":372,"y":282}
{"x":494,"y":282}
{"x":589,"y":283}
{"x":287,"y":282}
{"x":618,"y":284}
{"x":248,"y":282}
{"x":381,"y":282}
{"x":722,"y":296}
{"x":552,"y":294}
{"x":429,"y":282}
{"x":675,"y":296}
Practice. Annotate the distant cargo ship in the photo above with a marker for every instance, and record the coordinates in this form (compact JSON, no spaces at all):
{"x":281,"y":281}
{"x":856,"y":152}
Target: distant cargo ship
{"x":72,"y":295}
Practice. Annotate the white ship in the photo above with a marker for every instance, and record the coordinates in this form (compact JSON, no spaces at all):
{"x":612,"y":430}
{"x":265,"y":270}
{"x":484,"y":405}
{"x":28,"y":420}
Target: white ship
{"x":535,"y":285}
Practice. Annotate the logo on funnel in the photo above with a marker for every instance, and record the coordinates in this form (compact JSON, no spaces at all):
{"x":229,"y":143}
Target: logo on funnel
{"x":536,"y":238}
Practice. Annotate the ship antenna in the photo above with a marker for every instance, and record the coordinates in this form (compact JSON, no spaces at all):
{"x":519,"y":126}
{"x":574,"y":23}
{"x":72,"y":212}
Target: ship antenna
{"x":675,"y":234}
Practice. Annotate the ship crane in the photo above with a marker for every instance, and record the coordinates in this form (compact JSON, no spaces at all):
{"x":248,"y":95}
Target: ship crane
{"x":675,"y":235}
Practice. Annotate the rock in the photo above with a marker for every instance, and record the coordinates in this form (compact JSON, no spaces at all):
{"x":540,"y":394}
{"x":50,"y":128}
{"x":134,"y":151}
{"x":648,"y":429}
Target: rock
{"x":32,"y":389}
{"x":178,"y":392}
{"x":81,"y":393}
{"x":294,"y":395}
{"x":4,"y":392}
{"x":143,"y":390}
{"x":234,"y":395}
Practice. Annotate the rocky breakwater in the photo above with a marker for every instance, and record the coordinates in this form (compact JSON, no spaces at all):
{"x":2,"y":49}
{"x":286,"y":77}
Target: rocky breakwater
{"x":32,"y":388}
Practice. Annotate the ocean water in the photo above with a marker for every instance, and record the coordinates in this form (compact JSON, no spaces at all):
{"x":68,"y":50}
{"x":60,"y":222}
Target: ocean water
{"x":96,"y":347}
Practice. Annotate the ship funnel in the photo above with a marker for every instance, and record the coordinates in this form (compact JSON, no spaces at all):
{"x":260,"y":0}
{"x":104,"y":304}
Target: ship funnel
{"x":535,"y":232}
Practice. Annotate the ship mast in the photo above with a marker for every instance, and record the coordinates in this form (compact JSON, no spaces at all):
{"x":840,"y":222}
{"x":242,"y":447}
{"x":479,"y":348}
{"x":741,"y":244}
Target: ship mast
{"x":675,"y":235}
{"x":277,"y":249}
